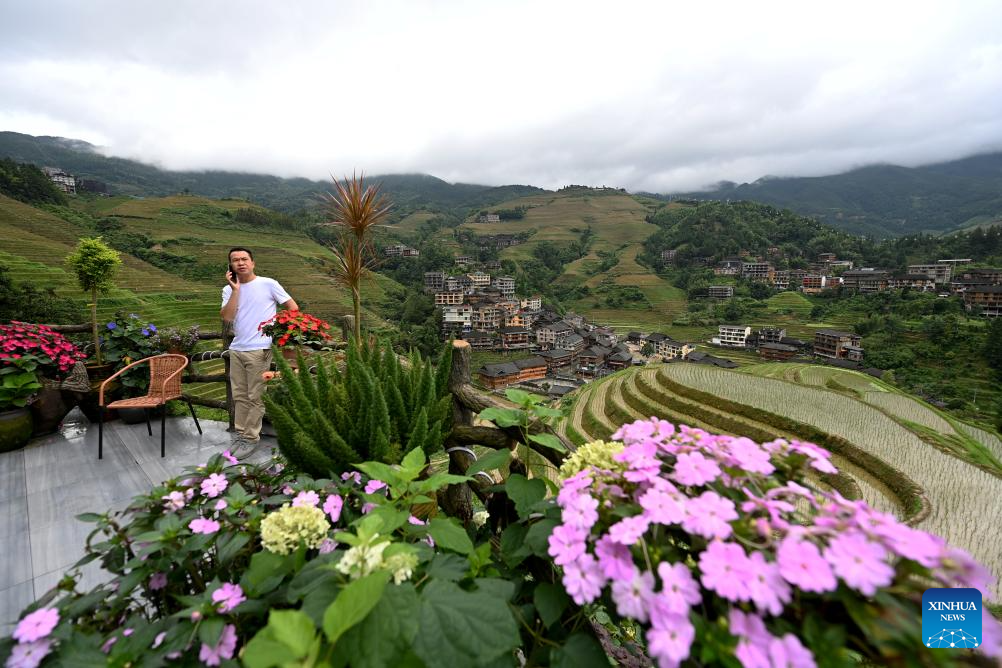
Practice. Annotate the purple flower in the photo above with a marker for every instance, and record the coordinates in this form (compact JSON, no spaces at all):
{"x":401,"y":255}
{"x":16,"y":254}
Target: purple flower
{"x":692,"y":468}
{"x":566,"y":544}
{"x":572,"y":487}
{"x":708,"y":515}
{"x":631,"y":595}
{"x":153,"y":328}
{"x":28,"y":654}
{"x":355,"y":477}
{"x":614,"y":559}
{"x":228,"y":456}
{"x":327,"y":545}
{"x":802,"y":565}
{"x":201,"y":525}
{"x":767,"y":588}
{"x":679,"y":591}
{"x":583,"y":579}
{"x":641,"y":460}
{"x":174,"y":501}
{"x":144,"y":332}
{"x":964,"y":571}
{"x":36,"y":625}
{"x":308,"y":498}
{"x":662,"y":507}
{"x":670,"y":644}
{"x":374,"y":486}
{"x":628,"y":530}
{"x":416,"y":521}
{"x":861,"y":564}
{"x":788,"y":652}
{"x":220,"y":505}
{"x":223,"y":650}
{"x":158,"y":581}
{"x":750,"y":456}
{"x":581,"y":512}
{"x":112,"y":325}
{"x":158,"y":640}
{"x":214,"y":485}
{"x":725,"y":569}
{"x":333,"y":506}
{"x":228,"y":596}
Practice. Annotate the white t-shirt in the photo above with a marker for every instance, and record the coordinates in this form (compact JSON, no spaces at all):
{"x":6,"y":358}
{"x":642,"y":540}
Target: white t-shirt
{"x":258,"y":302}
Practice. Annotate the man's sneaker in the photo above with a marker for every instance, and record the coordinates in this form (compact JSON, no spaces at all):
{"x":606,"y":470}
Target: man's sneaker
{"x":244,"y":448}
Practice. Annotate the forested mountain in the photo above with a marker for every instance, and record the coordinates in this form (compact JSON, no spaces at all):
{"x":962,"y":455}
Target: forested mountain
{"x":886,"y":200}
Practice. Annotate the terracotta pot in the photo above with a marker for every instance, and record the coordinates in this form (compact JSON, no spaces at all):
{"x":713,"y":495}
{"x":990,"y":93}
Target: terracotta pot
{"x":48,"y":410}
{"x":15,"y":428}
{"x":289,"y":353}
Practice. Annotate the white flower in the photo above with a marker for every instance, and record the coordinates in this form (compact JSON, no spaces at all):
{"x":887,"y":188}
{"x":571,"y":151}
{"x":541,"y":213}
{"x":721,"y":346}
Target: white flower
{"x":480,"y":518}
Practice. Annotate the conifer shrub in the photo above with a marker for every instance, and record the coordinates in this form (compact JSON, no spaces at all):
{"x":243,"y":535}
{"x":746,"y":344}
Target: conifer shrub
{"x":374,"y":410}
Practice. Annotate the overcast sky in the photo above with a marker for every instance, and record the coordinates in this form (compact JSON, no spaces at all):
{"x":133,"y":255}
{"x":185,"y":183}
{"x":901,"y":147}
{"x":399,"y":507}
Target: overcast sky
{"x":656,"y":96}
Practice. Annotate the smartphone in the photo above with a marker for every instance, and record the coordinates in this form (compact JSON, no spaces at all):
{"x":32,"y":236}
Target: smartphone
{"x":233,"y":274}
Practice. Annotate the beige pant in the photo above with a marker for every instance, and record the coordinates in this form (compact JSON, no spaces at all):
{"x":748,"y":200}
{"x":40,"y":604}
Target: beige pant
{"x":246,"y":368}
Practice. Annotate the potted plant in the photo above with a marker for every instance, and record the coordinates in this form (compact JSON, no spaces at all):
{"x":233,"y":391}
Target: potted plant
{"x":125,"y":339}
{"x":176,"y":340}
{"x":49,"y":355}
{"x":295,"y":331}
{"x":95,"y":265}
{"x":17,"y":387}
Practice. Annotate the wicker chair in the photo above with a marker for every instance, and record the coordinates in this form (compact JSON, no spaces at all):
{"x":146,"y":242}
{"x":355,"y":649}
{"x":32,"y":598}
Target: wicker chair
{"x":165,"y":384}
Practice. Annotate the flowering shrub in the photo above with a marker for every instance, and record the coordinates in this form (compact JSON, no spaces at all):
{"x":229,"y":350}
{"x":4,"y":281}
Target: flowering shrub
{"x":176,"y":340}
{"x":127,"y":339}
{"x":37,"y":349}
{"x":296,"y":328}
{"x":720,"y":549}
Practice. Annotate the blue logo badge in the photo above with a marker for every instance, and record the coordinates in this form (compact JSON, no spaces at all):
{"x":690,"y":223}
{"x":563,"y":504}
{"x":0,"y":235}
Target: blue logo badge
{"x":951,"y":618}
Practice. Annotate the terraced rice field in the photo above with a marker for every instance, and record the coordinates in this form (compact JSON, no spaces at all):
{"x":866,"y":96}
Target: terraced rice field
{"x":988,"y":439}
{"x":966,"y":501}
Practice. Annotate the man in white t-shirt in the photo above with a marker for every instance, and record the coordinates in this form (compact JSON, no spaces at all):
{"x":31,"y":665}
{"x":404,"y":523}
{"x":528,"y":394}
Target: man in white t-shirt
{"x":249,"y":300}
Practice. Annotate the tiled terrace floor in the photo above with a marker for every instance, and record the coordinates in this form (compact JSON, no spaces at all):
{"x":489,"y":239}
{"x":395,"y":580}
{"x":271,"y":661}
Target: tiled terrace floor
{"x":56,"y":477}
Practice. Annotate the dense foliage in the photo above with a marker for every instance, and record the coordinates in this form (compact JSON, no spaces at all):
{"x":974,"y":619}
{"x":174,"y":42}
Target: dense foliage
{"x":27,"y":183}
{"x":24,"y":301}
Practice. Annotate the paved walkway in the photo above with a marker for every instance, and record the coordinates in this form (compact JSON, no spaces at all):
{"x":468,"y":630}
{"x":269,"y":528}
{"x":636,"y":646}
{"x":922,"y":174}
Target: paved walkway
{"x":56,"y":477}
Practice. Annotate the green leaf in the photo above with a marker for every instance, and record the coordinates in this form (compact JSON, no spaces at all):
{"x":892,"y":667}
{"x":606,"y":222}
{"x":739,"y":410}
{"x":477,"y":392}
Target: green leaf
{"x":386,"y":634}
{"x":580,"y":651}
{"x":524,"y":492}
{"x":513,"y":547}
{"x":494,"y":460}
{"x":449,"y":535}
{"x":293,"y":629}
{"x":263,"y":651}
{"x":353,"y":603}
{"x":412,"y":464}
{"x":549,"y":441}
{"x":503,"y":417}
{"x":438,"y":481}
{"x":520,"y":397}
{"x":461,"y":628}
{"x":538,"y":537}
{"x":550,"y":601}
{"x":378,"y":471}
{"x":89,"y":517}
{"x":446,"y":566}
{"x":210,"y":630}
{"x":547,"y":412}
{"x":265,"y":573}
{"x":230,"y":544}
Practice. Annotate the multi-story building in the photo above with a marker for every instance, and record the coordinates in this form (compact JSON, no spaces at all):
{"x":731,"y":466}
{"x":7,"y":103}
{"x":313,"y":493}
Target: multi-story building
{"x":776,"y":351}
{"x":448,"y":298}
{"x":557,"y":357}
{"x":481,"y":340}
{"x":506,"y":285}
{"x":553,"y":335}
{"x":826,"y":258}
{"x":533,"y":303}
{"x":489,"y":218}
{"x":479,"y":279}
{"x":668,"y":255}
{"x":487,"y":317}
{"x":573,"y":342}
{"x":514,"y":320}
{"x":836,"y":344}
{"x":531,"y":368}
{"x":771,"y":335}
{"x":62,"y":180}
{"x":956,"y":262}
{"x":812,"y":284}
{"x":788,"y":279}
{"x":514,"y":338}
{"x":939,"y":272}
{"x":670,"y":349}
{"x":721,"y":291}
{"x":457,"y":319}
{"x":984,"y":276}
{"x":922,"y":282}
{"x":434,"y":281}
{"x":463,"y":260}
{"x":758,"y":271}
{"x":986,"y":300}
{"x":865,"y":281}
{"x":728,"y":268}
{"x":733,"y":336}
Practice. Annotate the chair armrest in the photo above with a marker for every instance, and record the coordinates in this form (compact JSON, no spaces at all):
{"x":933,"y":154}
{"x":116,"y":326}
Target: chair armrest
{"x":100,"y":393}
{"x":163,"y":386}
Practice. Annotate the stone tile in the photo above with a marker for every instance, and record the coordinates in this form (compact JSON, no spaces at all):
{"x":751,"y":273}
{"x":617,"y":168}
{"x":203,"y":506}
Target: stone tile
{"x":58,"y":545}
{"x":12,"y":601}
{"x":65,"y":463}
{"x":64,"y":502}
{"x":13,"y":516}
{"x":91,"y":575}
{"x":16,"y":560}
{"x":12,"y":480}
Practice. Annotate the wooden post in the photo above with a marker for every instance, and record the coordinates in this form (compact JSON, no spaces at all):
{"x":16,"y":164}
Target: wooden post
{"x":348,"y":327}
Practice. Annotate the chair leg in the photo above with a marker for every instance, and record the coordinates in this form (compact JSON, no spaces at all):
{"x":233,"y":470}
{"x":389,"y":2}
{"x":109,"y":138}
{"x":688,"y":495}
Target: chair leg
{"x":100,"y":433}
{"x":163,"y":432}
{"x":194,"y":417}
{"x":146,"y":414}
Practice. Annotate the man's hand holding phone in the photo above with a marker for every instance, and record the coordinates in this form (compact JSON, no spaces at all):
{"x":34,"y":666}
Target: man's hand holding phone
{"x":231,"y":278}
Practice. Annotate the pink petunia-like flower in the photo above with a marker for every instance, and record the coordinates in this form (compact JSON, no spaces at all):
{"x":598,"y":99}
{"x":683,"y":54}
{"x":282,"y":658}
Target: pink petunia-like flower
{"x":220,"y":505}
{"x":583,"y":579}
{"x":204,"y":526}
{"x":214,"y":485}
{"x":367,"y":508}
{"x":158,"y":640}
{"x":788,"y":652}
{"x":725,"y":569}
{"x":327,"y":545}
{"x":158,"y":581}
{"x":767,"y":588}
{"x":750,"y":456}
{"x":307,"y":498}
{"x":662,"y":507}
{"x":332,"y":506}
{"x":416,"y":521}
{"x":566,"y":544}
{"x":354,"y":477}
{"x":801,"y":564}
{"x":614,"y":559}
{"x":709,"y":514}
{"x":571,"y":488}
{"x":581,"y":513}
{"x":631,"y":595}
{"x":36,"y":625}
{"x":670,"y":644}
{"x":628,"y":530}
{"x":964,"y":571}
{"x":679,"y":591}
{"x":174,"y":501}
{"x":641,"y":460}
{"x":223,"y":650}
{"x":693,"y":468}
{"x":228,"y":596}
{"x":860,"y":563}
{"x":228,"y":456}
{"x":28,"y":654}
{"x":374,"y":486}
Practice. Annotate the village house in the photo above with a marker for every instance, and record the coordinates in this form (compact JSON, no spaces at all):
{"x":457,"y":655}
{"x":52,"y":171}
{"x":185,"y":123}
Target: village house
{"x":514,"y":320}
{"x":557,"y":357}
{"x":496,"y":376}
{"x":636,"y":337}
{"x":758,"y":271}
{"x":670,"y":349}
{"x":479,"y":279}
{"x":434,"y":281}
{"x":457,"y":319}
{"x":553,"y":335}
{"x":986,"y":300}
{"x":448,"y":298}
{"x":699,"y":357}
{"x":574,"y":342}
{"x":836,"y":344}
{"x":593,"y":356}
{"x":463,"y":260}
{"x":481,"y":340}
{"x":911,"y":281}
{"x":533,"y":303}
{"x":815,"y":283}
{"x":62,"y":180}
{"x":826,"y":258}
{"x":487,"y":317}
{"x":489,"y":218}
{"x":514,"y":338}
{"x":865,"y":281}
{"x":620,"y":359}
{"x":776,"y":351}
{"x":531,"y":368}
{"x":771,"y":335}
{"x":668,"y":255}
{"x":732,"y":336}
{"x":730,"y":267}
{"x":505,"y":285}
{"x":720,"y":291}
{"x":939,"y":272}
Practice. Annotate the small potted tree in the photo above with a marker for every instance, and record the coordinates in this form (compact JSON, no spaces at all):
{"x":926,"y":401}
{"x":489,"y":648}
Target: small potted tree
{"x":95,"y":265}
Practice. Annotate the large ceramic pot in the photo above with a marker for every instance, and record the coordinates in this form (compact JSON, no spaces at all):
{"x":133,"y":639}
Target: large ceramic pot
{"x":290,"y":354}
{"x":48,"y":410}
{"x":15,"y":428}
{"x":88,"y":403}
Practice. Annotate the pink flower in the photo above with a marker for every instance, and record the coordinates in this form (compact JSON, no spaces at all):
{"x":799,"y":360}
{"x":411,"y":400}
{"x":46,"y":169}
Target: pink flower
{"x":36,"y":625}
{"x":571,"y":488}
{"x":327,"y":545}
{"x":789,"y":653}
{"x":108,"y":644}
{"x":628,"y":530}
{"x":288,"y":491}
{"x":631,"y":595}
{"x":750,"y":456}
{"x":223,"y":650}
{"x":333,"y":506}
{"x":860,"y":563}
{"x":670,"y":644}
{"x":228,"y":596}
{"x":201,"y":525}
{"x":374,"y":486}
{"x":802,"y":565}
{"x":307,"y":498}
{"x":693,"y":468}
{"x":566,"y":544}
{"x":28,"y":654}
{"x":221,"y":504}
{"x":583,"y":579}
{"x":228,"y":456}
{"x":767,"y":588}
{"x":725,"y":569}
{"x":355,"y":477}
{"x":158,"y":640}
{"x":614,"y":559}
{"x":214,"y":485}
{"x":641,"y":460}
{"x":581,"y":512}
{"x":679,"y":590}
{"x":661,"y":507}
{"x":416,"y":521}
{"x":964,"y":571}
{"x":367,"y":508}
{"x":708,"y":515}
{"x":158,"y":581}
{"x":174,"y":501}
